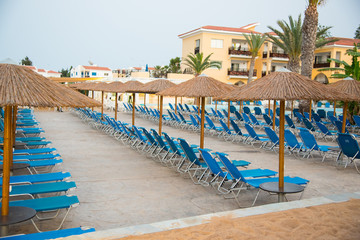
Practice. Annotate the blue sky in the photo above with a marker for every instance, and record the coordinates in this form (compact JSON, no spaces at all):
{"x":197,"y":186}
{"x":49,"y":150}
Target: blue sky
{"x":56,"y":34}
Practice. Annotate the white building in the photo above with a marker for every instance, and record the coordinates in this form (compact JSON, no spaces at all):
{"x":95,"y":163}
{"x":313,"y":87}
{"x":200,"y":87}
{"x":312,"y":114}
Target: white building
{"x":91,"y":71}
{"x":45,"y":73}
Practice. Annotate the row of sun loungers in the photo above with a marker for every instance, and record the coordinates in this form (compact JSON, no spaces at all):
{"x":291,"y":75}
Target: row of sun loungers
{"x":203,"y":166}
{"x":42,"y":189}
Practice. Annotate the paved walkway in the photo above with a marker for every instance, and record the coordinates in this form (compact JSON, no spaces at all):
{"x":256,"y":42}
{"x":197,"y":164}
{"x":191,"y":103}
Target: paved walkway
{"x":118,"y":187}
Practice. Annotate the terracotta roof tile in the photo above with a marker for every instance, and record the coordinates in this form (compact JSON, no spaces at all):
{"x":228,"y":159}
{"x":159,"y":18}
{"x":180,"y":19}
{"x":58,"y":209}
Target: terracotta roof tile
{"x":226,"y":29}
{"x":345,"y":42}
{"x":97,"y":68}
{"x":51,"y":71}
{"x":31,"y":67}
{"x":41,"y":70}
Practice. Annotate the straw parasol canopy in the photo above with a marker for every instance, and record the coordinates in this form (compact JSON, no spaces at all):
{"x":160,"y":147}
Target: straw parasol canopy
{"x":156,"y":86}
{"x":133,"y":86}
{"x":101,"y":86}
{"x":86,"y":85}
{"x":286,"y":85}
{"x":200,"y":86}
{"x":115,"y":87}
{"x":21,"y":86}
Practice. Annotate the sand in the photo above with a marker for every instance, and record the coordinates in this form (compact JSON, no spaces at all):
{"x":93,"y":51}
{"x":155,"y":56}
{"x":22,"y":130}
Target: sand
{"x":329,"y":221}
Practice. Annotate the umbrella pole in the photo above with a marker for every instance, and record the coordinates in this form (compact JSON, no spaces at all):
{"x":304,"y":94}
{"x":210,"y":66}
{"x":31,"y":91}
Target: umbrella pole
{"x":92,"y":96}
{"x":334,"y":108}
{"x":116,"y":105}
{"x":281,"y":149}
{"x":228,"y":120}
{"x":13,"y":137}
{"x":181,"y":100}
{"x":199,"y":105}
{"x":292,"y":108}
{"x":269,"y":106}
{"x":133,"y":113}
{"x":6,"y":161}
{"x":310,"y":110}
{"x":215,"y":105}
{"x":102,"y":105}
{"x":144,"y":99}
{"x":344,"y":117}
{"x":158,"y":103}
{"x":240,"y":108}
{"x":274,"y":114}
{"x":175,"y":105}
{"x":161,"y":114}
{"x":202,"y":122}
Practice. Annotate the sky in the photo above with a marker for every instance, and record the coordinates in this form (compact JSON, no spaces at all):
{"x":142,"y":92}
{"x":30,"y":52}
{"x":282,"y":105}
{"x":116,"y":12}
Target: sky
{"x":57,"y":34}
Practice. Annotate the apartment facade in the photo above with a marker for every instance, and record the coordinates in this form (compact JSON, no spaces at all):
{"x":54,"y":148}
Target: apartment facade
{"x":229,"y":46}
{"x":45,"y":73}
{"x":82,"y":71}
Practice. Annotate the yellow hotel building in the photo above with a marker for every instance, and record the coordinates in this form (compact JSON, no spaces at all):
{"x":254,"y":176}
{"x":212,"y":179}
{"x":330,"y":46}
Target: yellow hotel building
{"x":229,"y":47}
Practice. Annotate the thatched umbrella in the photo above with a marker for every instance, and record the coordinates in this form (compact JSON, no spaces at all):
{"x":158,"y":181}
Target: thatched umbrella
{"x":200,"y":86}
{"x":116,"y":87}
{"x":20,"y":86}
{"x":133,"y":87}
{"x":347,"y":86}
{"x":224,"y":97}
{"x":101,"y":86}
{"x":285,"y":85}
{"x":158,"y":86}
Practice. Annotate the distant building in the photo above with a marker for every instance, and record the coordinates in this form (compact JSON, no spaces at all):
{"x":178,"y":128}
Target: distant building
{"x":45,"y":73}
{"x":91,"y":71}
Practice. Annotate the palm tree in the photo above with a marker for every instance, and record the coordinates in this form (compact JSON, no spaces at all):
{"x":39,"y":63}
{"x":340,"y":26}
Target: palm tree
{"x":174,"y":65}
{"x":255,"y":41}
{"x":289,"y":39}
{"x":309,"y":31}
{"x":198,"y":63}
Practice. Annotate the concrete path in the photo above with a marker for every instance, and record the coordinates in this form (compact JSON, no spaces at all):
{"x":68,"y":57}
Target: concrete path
{"x":118,"y":187}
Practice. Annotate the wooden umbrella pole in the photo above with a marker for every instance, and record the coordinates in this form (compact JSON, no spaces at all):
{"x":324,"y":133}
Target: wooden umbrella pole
{"x":181,"y":100}
{"x":281,"y":147}
{"x":161,"y":114}
{"x":344,"y":117}
{"x":274,"y":114}
{"x":13,"y":130}
{"x":116,"y":105}
{"x":202,"y":122}
{"x":199,"y":105}
{"x":292,"y":108}
{"x":334,"y":108}
{"x":310,"y":110}
{"x":269,"y":106}
{"x":102,"y":104}
{"x":92,"y":96}
{"x":175,"y":105}
{"x":158,"y":97}
{"x":240,"y":108}
{"x":215,"y":105}
{"x":144,"y":99}
{"x":133,"y":112}
{"x":6,"y":161}
{"x":228,"y":120}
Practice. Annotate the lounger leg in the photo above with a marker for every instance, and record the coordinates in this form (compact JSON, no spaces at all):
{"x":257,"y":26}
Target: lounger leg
{"x":256,"y":197}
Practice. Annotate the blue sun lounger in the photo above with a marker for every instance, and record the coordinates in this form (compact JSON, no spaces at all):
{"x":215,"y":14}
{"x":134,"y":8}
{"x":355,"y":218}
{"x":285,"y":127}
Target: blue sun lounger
{"x":38,"y":178}
{"x":40,"y":188}
{"x":33,"y":157}
{"x":48,"y":204}
{"x":51,"y":234}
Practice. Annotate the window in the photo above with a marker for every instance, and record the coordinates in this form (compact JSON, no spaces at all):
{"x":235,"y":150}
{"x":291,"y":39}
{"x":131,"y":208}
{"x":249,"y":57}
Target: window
{"x":106,"y":74}
{"x":217,"y":43}
{"x":197,"y":46}
{"x":93,"y":74}
{"x":76,"y":73}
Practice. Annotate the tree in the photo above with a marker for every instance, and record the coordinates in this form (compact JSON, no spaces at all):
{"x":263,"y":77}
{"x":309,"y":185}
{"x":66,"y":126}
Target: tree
{"x":26,"y":61}
{"x":174,"y":66}
{"x":357,"y":33}
{"x":65,"y":72}
{"x":198,"y":63}
{"x":255,"y":41}
{"x":289,"y":39}
{"x":309,"y":34}
{"x":160,"y":72}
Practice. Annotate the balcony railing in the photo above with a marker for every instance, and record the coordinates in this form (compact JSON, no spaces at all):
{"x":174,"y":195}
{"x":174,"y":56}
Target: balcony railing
{"x":240,"y":72}
{"x":279,"y":55}
{"x":321,"y":65}
{"x":265,"y":55}
{"x":239,"y":52}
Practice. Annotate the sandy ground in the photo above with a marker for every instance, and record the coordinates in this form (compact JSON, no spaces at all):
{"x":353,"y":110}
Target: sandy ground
{"x":118,"y":187}
{"x":329,"y":221}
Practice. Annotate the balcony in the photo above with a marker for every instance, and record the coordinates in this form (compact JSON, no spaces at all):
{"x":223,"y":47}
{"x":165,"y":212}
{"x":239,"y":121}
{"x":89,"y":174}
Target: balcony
{"x":265,"y":55}
{"x":240,"y":72}
{"x":321,"y":65}
{"x":196,"y":50}
{"x":278,"y":55}
{"x":239,"y":52}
